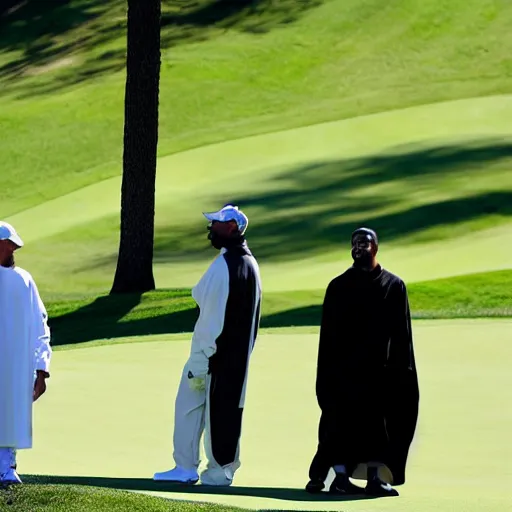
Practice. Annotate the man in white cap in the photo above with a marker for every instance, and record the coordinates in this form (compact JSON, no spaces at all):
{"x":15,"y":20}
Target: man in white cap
{"x":213,"y":385}
{"x":25,"y":354}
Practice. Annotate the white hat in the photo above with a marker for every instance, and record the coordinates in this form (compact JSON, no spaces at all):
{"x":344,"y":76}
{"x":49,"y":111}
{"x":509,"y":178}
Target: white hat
{"x":228,"y":213}
{"x":7,"y":232}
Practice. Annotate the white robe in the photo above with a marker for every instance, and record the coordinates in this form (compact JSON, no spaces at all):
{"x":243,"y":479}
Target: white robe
{"x":24,"y":348}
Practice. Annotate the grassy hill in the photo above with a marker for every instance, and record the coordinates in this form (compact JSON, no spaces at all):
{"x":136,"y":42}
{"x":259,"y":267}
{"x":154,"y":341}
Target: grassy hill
{"x":434,"y":179}
{"x":439,"y":204}
{"x":61,"y":116}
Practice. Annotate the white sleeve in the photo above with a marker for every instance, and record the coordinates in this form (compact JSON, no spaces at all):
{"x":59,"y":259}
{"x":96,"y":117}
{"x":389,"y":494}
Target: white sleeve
{"x":214,"y":297}
{"x":42,"y":348}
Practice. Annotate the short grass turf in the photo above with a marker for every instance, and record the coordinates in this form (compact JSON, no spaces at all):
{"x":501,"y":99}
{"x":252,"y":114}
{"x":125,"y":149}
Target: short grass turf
{"x":174,"y":311}
{"x":62,"y":89}
{"x":107,"y":418}
{"x":75,"y":498}
{"x":434,"y":181}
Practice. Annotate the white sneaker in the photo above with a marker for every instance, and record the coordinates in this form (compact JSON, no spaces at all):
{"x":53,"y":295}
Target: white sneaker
{"x":10,"y":477}
{"x":185,"y":476}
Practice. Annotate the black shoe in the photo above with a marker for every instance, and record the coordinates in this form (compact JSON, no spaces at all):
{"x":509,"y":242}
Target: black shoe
{"x":376,"y":487}
{"x":341,"y":485}
{"x":315,"y":486}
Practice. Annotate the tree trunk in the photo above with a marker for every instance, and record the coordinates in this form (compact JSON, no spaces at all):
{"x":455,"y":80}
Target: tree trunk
{"x":134,"y":271}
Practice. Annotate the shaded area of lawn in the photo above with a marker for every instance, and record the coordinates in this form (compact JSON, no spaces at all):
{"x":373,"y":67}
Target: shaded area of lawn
{"x":174,"y":311}
{"x":87,"y":37}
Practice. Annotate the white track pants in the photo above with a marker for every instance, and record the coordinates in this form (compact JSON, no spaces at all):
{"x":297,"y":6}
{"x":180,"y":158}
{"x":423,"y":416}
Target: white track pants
{"x":8,"y":455}
{"x":191,"y":420}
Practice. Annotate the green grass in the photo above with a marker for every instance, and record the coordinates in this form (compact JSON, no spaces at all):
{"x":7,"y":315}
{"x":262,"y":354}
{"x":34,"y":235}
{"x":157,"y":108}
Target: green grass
{"x":441,"y":193}
{"x":71,"y":498}
{"x":174,"y":311}
{"x":476,"y":295}
{"x":414,"y":101}
{"x":106,"y":422}
{"x":237,"y":83}
{"x":433,"y":179}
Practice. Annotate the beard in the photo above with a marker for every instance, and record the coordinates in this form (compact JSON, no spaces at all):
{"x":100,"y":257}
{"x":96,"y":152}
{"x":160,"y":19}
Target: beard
{"x":361,"y":258}
{"x":219,"y":241}
{"x":8,"y":262}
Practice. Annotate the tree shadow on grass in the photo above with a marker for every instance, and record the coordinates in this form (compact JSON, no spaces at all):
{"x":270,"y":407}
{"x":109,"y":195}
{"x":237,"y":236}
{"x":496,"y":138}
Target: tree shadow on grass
{"x":304,"y":316}
{"x":39,"y":37}
{"x":314,"y":208}
{"x":141,"y":484}
{"x":41,"y":33}
{"x":103,"y":319}
{"x":196,"y":19}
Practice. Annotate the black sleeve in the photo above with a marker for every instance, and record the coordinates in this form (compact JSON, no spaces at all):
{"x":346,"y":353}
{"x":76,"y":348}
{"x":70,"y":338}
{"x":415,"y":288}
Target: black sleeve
{"x":329,"y":337}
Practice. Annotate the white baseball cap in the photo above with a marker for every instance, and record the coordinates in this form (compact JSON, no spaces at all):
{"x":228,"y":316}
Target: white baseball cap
{"x":228,"y":213}
{"x":7,"y":232}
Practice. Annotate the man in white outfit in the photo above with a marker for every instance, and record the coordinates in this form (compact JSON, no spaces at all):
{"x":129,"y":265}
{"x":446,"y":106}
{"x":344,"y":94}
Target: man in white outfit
{"x":212,"y":390}
{"x":25,"y":354}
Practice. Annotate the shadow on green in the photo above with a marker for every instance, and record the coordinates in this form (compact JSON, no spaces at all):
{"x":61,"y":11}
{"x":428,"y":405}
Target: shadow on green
{"x":117,"y":316}
{"x":309,"y":208}
{"x":314,"y":208}
{"x":141,"y":484}
{"x":103,"y":318}
{"x":485,"y":295}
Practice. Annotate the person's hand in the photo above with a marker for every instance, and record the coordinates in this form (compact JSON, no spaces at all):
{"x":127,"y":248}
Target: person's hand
{"x":197,"y":370}
{"x":197,"y":383}
{"x":198,"y":365}
{"x":40,"y":384}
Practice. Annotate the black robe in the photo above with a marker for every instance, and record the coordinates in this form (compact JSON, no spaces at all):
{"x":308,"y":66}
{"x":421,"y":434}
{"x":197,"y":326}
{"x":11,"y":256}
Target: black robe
{"x":367,"y":384}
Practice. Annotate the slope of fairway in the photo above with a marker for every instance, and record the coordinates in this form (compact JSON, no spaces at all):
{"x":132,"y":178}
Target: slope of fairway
{"x":435,"y":181}
{"x":107,"y":417}
{"x":62,"y":77}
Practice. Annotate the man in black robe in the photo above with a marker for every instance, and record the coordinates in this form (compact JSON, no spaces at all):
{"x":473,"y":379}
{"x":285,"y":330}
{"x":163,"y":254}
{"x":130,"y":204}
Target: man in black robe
{"x":367,"y":385}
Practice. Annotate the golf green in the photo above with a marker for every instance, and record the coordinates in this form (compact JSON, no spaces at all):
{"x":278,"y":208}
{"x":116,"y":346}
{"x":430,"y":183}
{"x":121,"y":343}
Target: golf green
{"x":107,"y":420}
